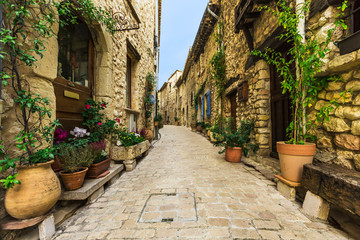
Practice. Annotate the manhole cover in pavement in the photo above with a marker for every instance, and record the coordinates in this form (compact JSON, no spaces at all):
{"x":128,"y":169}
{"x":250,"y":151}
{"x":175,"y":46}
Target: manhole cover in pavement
{"x":173,"y":207}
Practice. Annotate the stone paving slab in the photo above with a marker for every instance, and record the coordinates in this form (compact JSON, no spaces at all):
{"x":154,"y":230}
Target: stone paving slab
{"x":233,"y":201}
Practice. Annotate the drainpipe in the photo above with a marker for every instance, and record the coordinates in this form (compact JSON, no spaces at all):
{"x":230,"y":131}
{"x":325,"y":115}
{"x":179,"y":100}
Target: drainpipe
{"x":157,"y":54}
{"x":218,"y":19}
{"x":301,"y":30}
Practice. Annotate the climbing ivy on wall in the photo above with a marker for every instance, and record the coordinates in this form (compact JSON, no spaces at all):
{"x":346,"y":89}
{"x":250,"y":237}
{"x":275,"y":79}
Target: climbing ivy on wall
{"x":218,"y":63}
{"x":150,"y":84}
{"x":197,"y":95}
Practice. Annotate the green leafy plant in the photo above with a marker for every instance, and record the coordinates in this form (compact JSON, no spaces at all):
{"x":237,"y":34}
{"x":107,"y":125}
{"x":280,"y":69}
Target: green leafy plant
{"x":148,"y":102}
{"x":73,"y":159}
{"x":25,"y":28}
{"x":198,"y":93}
{"x":158,"y":118}
{"x":218,"y":63}
{"x":176,"y":119}
{"x":236,"y":138}
{"x":126,"y":139}
{"x":307,"y":55}
{"x":99,"y":126}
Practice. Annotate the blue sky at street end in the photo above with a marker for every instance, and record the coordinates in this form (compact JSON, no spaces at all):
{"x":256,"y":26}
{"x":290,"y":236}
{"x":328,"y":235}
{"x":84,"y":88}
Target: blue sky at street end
{"x":180,"y":21}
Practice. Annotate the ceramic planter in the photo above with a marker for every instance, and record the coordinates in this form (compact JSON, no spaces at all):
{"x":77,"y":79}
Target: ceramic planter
{"x":38,"y":192}
{"x":233,"y":154}
{"x":156,"y":123}
{"x":98,"y":168}
{"x":293,"y":157}
{"x":149,"y":135}
{"x":73,"y":181}
{"x":176,"y":123}
{"x":198,"y":128}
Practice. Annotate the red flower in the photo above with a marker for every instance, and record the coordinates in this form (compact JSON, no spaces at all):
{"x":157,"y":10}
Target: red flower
{"x":103,"y":105}
{"x":117,"y":119}
{"x":99,"y":123}
{"x":87,"y":106}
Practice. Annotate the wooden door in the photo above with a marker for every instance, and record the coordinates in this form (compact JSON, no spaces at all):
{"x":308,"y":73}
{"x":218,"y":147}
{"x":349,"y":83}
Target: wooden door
{"x":75,"y":81}
{"x":280,"y":106}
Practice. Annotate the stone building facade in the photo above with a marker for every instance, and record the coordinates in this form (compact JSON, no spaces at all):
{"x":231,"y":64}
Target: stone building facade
{"x":119,"y":62}
{"x":169,"y":99}
{"x":253,"y":89}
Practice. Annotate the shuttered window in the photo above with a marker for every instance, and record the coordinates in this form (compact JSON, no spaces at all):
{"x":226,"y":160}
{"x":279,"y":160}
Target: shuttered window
{"x":203,"y":107}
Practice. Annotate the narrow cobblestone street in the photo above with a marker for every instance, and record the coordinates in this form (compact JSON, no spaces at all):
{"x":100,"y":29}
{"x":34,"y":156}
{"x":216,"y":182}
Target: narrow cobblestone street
{"x":184,"y":189}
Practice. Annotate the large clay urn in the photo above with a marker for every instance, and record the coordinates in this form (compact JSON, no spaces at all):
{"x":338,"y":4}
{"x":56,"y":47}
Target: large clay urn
{"x":293,"y":157}
{"x":233,"y":154}
{"x":38,"y":192}
{"x":149,"y":135}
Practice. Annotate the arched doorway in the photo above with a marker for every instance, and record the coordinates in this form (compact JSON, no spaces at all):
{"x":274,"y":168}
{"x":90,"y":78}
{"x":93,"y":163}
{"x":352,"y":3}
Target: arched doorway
{"x":75,"y":79}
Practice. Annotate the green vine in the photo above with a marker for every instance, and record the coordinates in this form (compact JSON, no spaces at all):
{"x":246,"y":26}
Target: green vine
{"x":148,"y":102}
{"x":26,"y":27}
{"x":218,"y":63}
{"x":198,"y":93}
{"x":307,"y":55}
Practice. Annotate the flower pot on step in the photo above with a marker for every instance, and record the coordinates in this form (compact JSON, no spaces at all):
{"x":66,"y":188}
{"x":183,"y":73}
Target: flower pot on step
{"x":233,"y":154}
{"x":293,"y":157}
{"x":38,"y":192}
{"x":98,"y":168}
{"x":198,"y":128}
{"x":149,"y":135}
{"x":73,"y":181}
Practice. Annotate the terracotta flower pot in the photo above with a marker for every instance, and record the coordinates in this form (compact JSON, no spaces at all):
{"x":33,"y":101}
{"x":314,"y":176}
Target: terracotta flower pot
{"x":98,"y":168}
{"x":198,"y":128}
{"x":293,"y":157}
{"x":233,"y":154}
{"x":56,"y":165}
{"x":176,"y":123}
{"x":38,"y":192}
{"x":149,"y":135}
{"x":156,"y":123}
{"x":193,"y":127}
{"x":73,"y":181}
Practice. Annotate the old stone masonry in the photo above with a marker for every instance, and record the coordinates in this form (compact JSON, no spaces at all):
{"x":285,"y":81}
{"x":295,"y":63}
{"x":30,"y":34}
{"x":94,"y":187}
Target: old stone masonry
{"x":185,"y":190}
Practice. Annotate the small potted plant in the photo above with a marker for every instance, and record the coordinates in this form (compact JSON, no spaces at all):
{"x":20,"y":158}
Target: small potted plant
{"x":236,"y":141}
{"x":157,"y":120}
{"x":75,"y":163}
{"x":59,"y":137}
{"x":207,"y":129}
{"x":101,"y":161}
{"x":176,"y":119}
{"x":198,"y":126}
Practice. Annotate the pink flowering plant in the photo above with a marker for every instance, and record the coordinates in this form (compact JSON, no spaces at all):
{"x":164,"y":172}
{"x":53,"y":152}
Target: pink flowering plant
{"x":95,"y":121}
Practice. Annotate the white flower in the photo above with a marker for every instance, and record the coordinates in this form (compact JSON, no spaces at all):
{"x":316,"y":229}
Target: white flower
{"x":118,"y":143}
{"x":136,"y":134}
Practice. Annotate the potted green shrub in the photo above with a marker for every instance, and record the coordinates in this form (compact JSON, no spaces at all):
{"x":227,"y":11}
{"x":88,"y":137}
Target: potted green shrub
{"x":307,"y":55}
{"x":236,"y":141}
{"x":176,"y":119}
{"x":198,"y":126}
{"x":75,"y":162}
{"x":157,"y":120}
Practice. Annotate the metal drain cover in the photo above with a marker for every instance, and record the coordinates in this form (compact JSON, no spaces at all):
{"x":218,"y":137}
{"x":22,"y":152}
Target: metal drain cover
{"x":169,"y":207}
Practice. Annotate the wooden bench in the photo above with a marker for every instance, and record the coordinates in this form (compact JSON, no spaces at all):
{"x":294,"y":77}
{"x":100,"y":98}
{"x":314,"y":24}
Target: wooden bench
{"x":335,"y":184}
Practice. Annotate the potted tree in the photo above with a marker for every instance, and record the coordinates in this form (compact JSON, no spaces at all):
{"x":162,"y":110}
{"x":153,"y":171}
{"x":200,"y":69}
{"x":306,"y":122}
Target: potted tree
{"x":236,"y":141}
{"x":307,"y":55}
{"x":75,"y":162}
